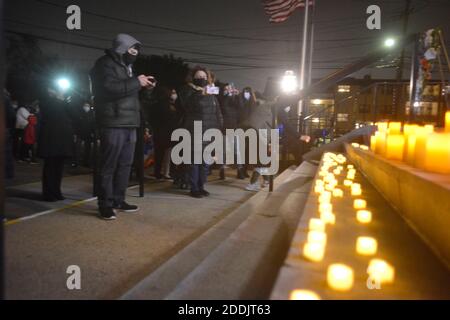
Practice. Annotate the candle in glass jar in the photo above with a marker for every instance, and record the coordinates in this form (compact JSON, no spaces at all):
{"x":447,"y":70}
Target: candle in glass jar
{"x":410,"y":149}
{"x":325,"y":207}
{"x":364,"y":216}
{"x":328,"y":217}
{"x":299,"y":294}
{"x":348,"y":182}
{"x":366,"y":246}
{"x":359,"y":204}
{"x":317,"y":236}
{"x":316,"y":225}
{"x":381,"y":271}
{"x":325,"y":197}
{"x":356,"y":190}
{"x":380,"y":147}
{"x":373,"y":143}
{"x":382,"y":126}
{"x":437,"y":153}
{"x":420,"y":147}
{"x":394,"y":128}
{"x":338,"y":193}
{"x":447,"y":121}
{"x":314,"y":251}
{"x":394,"y":147}
{"x":340,"y":277}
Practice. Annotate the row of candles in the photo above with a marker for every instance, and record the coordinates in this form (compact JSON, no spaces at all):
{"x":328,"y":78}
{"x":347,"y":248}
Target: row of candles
{"x":340,"y":277}
{"x":419,"y":146}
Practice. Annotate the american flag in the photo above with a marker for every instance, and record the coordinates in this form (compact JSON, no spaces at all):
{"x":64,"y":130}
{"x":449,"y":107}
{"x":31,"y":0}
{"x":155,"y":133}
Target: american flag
{"x":280,"y":10}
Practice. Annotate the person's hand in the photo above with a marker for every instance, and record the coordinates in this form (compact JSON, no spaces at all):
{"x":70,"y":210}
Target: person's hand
{"x":305,"y":139}
{"x":147,"y":81}
{"x":152,"y":81}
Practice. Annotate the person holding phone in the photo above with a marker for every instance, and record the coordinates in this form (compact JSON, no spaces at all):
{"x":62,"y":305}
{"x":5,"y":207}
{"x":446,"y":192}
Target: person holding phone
{"x":201,"y":104}
{"x":117,"y":109}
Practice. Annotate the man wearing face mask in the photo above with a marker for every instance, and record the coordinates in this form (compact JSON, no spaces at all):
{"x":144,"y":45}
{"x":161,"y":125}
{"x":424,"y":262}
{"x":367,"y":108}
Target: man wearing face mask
{"x":117,"y":110}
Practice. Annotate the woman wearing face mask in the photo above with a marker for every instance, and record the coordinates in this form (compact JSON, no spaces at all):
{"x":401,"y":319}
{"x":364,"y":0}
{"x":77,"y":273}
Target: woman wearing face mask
{"x":204,"y":107}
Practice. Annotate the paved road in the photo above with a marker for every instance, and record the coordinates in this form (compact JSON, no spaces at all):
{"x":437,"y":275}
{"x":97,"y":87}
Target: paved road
{"x":112,"y":255}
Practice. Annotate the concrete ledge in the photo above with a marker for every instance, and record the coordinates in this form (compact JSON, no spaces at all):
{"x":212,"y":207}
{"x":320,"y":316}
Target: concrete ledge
{"x":165,"y":279}
{"x":245,"y":265}
{"x":422,"y":198}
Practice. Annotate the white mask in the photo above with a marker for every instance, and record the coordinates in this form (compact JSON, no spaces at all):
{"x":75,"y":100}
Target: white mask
{"x":174,"y":97}
{"x":86,"y":108}
{"x":247,"y":95}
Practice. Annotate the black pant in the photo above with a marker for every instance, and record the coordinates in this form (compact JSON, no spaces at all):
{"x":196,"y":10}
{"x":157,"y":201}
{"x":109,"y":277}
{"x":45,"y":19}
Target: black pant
{"x":9,"y":154}
{"x":161,"y":142}
{"x":52,"y":177}
{"x":116,"y":157}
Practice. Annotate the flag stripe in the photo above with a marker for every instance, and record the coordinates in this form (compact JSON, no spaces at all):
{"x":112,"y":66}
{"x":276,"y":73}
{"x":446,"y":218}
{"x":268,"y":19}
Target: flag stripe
{"x":285,"y":5}
{"x":280,"y":10}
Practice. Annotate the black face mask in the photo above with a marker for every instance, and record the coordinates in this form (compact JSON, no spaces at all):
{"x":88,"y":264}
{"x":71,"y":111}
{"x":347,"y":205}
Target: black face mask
{"x":129,"y":58}
{"x":200,"y":82}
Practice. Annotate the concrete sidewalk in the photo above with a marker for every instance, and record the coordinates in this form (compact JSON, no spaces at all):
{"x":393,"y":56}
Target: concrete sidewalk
{"x":112,"y":255}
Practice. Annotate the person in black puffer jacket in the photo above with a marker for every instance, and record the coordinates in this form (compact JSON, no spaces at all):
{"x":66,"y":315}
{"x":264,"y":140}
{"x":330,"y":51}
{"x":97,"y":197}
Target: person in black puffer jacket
{"x":203,"y":107}
{"x":117,"y":111}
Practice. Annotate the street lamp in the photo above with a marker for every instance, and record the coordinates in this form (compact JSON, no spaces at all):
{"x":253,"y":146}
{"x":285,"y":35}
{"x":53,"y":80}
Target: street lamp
{"x":289,"y":82}
{"x":63,"y":84}
{"x":389,"y":42}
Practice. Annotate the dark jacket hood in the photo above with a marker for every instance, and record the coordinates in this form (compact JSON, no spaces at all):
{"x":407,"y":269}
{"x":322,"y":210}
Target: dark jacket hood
{"x":123,"y":42}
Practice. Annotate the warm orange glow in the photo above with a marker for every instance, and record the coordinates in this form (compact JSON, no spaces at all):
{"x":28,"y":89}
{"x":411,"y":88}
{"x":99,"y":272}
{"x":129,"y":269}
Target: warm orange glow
{"x":381,"y":271}
{"x":316,"y":225}
{"x":303,"y":295}
{"x":366,"y":246}
{"x":447,"y":121}
{"x":437,"y":153}
{"x":314,"y":251}
{"x":395,"y":128}
{"x":394,"y":147}
{"x":364,"y":216}
{"x":340,"y":277}
{"x":359,"y":204}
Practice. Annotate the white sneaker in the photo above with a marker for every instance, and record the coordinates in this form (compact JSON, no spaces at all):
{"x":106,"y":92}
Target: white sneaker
{"x":253,"y":187}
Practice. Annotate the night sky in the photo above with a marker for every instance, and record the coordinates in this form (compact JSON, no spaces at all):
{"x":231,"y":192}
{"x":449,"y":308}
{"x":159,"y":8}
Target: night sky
{"x":268,"y":50}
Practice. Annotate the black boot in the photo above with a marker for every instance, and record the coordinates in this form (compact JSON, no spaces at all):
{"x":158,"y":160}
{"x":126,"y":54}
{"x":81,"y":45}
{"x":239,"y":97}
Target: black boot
{"x":222,"y":174}
{"x":240,"y":173}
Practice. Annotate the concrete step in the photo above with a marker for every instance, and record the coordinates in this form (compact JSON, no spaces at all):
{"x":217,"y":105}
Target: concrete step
{"x":245,"y":264}
{"x":165,"y":279}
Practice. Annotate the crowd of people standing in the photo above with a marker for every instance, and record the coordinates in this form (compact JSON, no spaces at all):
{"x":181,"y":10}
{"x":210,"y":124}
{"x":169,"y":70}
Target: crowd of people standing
{"x":54,"y":129}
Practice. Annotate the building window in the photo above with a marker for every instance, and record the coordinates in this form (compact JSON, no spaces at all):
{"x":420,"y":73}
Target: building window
{"x":342,"y":117}
{"x":343,"y":88}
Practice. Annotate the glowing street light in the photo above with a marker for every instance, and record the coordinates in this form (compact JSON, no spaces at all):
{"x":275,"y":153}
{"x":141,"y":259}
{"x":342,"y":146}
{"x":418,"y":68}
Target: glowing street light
{"x":63,"y":83}
{"x":389,"y":42}
{"x":289,"y":82}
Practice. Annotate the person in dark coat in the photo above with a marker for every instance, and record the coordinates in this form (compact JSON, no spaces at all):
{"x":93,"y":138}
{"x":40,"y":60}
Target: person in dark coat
{"x":118,"y":115}
{"x":248,"y":103}
{"x":204,"y":107}
{"x":10,"y":119}
{"x":163,"y":120}
{"x":86,"y":130}
{"x":231,"y":111}
{"x":55,"y":141}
